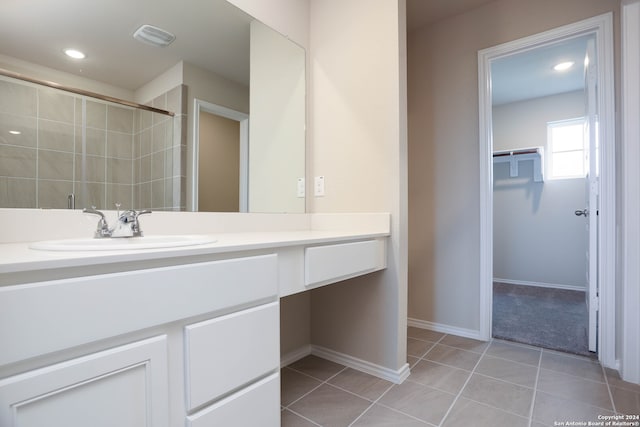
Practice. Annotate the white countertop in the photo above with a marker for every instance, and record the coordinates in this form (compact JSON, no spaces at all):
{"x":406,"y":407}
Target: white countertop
{"x":18,"y":257}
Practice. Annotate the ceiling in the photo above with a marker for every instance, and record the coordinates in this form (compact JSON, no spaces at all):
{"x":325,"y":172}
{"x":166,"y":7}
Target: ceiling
{"x":212,"y":34}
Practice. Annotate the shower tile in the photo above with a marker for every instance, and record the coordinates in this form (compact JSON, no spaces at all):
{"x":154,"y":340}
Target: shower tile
{"x":55,"y":105}
{"x":120,"y":171}
{"x":157,"y":165}
{"x":95,"y":196}
{"x":120,"y":119}
{"x":95,"y":168}
{"x":56,"y":136}
{"x":119,"y":193}
{"x":145,"y":169}
{"x":157,"y":194}
{"x":145,"y":196}
{"x":17,"y":98}
{"x":158,"y":137}
{"x":119,"y":145}
{"x":55,"y":165}
{"x":96,"y":115}
{"x":95,"y":141}
{"x":145,"y":142}
{"x":18,"y":162}
{"x":23,"y":124}
{"x":176,"y":102}
{"x":54,"y":194}
{"x":168,"y":192}
{"x":17,"y":192}
{"x":146,"y":119}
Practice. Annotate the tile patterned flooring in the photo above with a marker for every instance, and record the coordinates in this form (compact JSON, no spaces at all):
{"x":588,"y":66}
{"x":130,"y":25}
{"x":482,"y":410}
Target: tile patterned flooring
{"x":456,"y":381}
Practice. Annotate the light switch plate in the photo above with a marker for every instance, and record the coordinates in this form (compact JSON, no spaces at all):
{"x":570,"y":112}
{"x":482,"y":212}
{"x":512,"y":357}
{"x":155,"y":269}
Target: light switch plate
{"x":318,"y":186}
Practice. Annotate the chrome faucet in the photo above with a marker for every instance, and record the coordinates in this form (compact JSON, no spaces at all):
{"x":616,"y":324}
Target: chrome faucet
{"x":127,"y":224}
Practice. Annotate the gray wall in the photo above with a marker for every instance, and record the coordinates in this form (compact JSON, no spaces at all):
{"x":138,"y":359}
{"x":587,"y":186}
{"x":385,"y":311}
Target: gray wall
{"x":537,"y":237}
{"x":444,"y":257}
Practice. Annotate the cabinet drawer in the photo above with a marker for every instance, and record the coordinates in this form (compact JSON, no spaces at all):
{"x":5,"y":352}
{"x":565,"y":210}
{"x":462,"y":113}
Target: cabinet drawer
{"x":39,"y":318}
{"x":331,"y":263}
{"x":256,"y":405}
{"x":230,"y":351}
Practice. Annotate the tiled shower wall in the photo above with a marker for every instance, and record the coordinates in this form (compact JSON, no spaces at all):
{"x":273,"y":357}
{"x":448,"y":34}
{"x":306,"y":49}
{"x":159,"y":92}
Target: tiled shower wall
{"x":127,"y":156}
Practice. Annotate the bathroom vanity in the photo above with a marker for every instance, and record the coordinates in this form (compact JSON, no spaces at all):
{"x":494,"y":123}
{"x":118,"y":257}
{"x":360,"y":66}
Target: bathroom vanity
{"x":171,"y":336}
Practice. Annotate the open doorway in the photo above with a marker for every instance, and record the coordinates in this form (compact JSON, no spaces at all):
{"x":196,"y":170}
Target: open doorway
{"x":538,"y":193}
{"x":220,"y":161}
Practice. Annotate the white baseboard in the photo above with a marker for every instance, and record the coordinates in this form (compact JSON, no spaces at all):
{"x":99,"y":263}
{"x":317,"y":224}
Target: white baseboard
{"x":295,"y":355}
{"x":445,"y":329}
{"x":397,"y":376}
{"x":541,"y":285}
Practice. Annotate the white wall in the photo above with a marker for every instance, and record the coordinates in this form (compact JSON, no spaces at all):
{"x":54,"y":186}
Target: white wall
{"x":537,"y":237}
{"x":444,"y":254}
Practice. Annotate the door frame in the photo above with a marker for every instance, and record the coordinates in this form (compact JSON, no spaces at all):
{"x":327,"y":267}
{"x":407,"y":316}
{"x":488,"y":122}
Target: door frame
{"x":602,"y":27}
{"x":203,"y":106}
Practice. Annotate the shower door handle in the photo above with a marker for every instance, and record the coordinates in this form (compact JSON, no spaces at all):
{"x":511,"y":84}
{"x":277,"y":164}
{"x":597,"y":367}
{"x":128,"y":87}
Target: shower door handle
{"x":584,"y":212}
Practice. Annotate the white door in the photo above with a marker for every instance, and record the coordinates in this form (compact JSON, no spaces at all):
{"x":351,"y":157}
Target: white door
{"x":591,"y":210}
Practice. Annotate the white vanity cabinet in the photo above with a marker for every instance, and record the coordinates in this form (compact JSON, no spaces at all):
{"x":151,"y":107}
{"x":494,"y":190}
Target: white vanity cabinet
{"x":165,"y":346}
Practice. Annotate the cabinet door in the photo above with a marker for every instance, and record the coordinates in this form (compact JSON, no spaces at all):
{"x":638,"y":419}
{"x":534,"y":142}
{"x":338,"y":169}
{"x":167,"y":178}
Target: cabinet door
{"x":125,"y":386}
{"x":256,"y":405}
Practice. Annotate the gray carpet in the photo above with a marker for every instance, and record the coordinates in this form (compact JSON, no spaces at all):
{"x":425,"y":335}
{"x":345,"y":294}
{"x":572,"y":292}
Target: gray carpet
{"x":556,"y":319}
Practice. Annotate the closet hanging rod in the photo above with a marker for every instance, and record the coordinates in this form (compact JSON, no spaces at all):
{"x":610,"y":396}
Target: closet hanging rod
{"x":516,"y":152}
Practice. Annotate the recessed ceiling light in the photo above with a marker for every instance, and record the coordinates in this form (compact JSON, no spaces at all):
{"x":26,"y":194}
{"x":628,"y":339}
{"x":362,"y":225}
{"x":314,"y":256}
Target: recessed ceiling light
{"x":15,"y":132}
{"x":563,"y":66}
{"x":75,"y":54}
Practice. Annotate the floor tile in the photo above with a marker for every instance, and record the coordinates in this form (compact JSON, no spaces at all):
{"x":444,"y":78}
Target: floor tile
{"x":316,"y":367}
{"x":614,"y":380}
{"x":571,"y":387}
{"x":422,"y":402}
{"x":499,"y":394}
{"x":424,"y":334}
{"x":453,"y":357}
{"x":464,"y":343}
{"x":572,"y":365}
{"x":289,"y":419}
{"x":412,"y":360}
{"x":441,"y":377}
{"x":418,"y":348}
{"x":379,"y":416}
{"x":627,"y":402}
{"x":360,"y":383}
{"x":506,"y":370}
{"x":294,"y":385}
{"x":469,"y":413}
{"x":515,"y":352}
{"x":329,"y":406}
{"x":549,"y":409}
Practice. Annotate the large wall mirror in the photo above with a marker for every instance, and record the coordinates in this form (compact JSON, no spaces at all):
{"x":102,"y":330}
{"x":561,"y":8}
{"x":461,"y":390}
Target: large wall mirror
{"x":214,"y":121}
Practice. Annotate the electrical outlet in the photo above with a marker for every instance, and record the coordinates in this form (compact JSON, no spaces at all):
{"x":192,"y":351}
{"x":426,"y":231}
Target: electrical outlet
{"x":318,"y":186}
{"x":301,"y":189}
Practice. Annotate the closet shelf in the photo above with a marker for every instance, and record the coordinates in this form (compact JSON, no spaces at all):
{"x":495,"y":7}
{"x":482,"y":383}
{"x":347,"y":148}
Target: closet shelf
{"x":513,"y":157}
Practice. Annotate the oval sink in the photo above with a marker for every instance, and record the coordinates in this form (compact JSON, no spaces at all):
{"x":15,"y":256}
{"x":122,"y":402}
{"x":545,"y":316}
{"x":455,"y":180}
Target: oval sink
{"x":120,"y":244}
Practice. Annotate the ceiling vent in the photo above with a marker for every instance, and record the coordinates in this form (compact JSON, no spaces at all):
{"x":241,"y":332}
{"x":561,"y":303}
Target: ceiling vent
{"x":154,"y":36}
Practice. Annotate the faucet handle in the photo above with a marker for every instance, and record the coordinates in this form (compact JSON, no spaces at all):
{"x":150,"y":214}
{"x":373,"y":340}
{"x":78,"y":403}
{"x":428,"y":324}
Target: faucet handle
{"x":103,"y":227}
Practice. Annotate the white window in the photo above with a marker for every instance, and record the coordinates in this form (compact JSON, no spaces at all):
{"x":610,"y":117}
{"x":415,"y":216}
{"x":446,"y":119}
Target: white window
{"x":565,"y":148}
